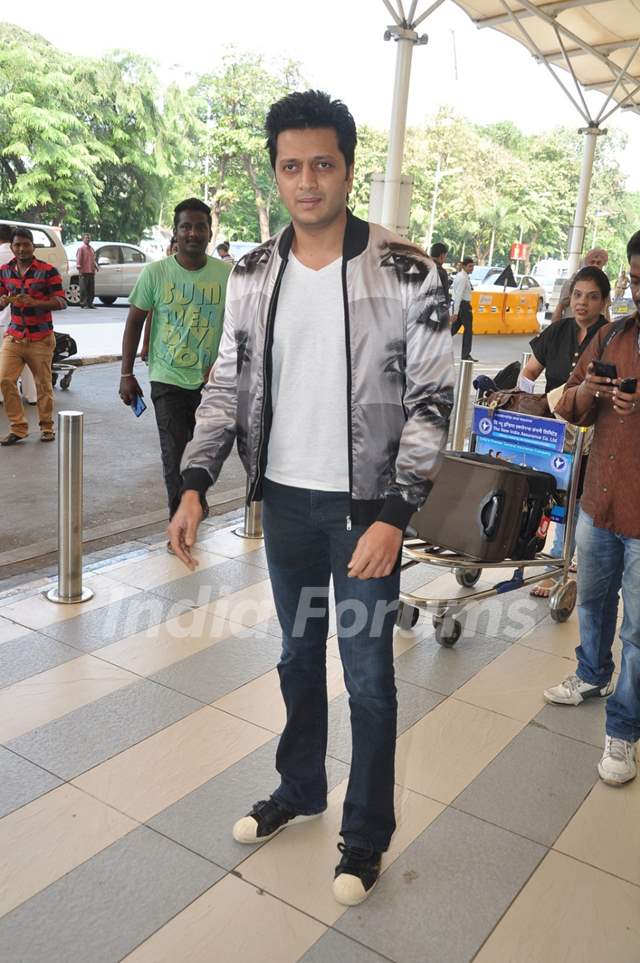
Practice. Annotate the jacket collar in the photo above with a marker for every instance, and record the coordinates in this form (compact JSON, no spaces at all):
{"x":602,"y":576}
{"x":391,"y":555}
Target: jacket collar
{"x":356,"y":238}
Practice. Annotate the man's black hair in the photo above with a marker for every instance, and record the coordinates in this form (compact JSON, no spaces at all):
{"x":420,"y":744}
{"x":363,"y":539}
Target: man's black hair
{"x":21,"y":232}
{"x":467,"y":260}
{"x":223,"y":246}
{"x":438,"y":248}
{"x":6,"y":233}
{"x":633,"y":246}
{"x":312,"y":109}
{"x":191,"y":204}
{"x":593,"y":274}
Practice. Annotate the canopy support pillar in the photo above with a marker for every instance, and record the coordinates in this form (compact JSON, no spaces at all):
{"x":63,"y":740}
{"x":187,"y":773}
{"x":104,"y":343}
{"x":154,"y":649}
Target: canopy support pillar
{"x":403,"y":31}
{"x":406,"y":40}
{"x":576,"y":239}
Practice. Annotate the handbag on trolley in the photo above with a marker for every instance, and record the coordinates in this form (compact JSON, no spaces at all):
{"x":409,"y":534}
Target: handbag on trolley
{"x":486,"y":508}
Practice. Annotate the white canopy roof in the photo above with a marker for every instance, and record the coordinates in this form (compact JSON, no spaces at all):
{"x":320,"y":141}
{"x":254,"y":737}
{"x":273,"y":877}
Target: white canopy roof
{"x":597,"y":42}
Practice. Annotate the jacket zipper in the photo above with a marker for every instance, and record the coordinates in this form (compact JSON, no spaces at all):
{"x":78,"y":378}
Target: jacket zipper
{"x":347,"y":335}
{"x":266,"y":391}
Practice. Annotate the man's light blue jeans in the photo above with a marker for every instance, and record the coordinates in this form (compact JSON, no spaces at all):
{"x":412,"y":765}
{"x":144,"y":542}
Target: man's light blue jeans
{"x":606,"y":563}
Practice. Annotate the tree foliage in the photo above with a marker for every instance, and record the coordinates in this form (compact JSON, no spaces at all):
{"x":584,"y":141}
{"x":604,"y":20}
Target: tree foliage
{"x":102,"y":145}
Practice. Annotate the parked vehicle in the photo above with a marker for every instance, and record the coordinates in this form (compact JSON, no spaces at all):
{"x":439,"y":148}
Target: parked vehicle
{"x":525,"y":283}
{"x":552,"y":303}
{"x":238,"y":249}
{"x":48,"y":245}
{"x":546,"y":272}
{"x":120,"y":266}
{"x":622,"y":307}
{"x":481,"y":272}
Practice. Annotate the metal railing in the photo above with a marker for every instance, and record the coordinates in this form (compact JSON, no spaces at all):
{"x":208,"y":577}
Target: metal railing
{"x":70,"y":484}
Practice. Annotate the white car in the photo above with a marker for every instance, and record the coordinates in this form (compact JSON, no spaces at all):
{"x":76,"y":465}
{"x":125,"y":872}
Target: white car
{"x":525,"y":283}
{"x":120,"y":266}
{"x":48,"y":245}
{"x":546,"y":272}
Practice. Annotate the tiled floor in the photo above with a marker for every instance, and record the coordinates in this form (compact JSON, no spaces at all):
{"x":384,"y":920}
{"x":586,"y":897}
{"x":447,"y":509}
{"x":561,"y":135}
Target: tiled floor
{"x":136,"y":728}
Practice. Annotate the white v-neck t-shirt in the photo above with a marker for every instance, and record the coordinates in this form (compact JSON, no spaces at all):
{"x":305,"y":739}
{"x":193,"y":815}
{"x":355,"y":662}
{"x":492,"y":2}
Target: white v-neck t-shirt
{"x":308,"y":443}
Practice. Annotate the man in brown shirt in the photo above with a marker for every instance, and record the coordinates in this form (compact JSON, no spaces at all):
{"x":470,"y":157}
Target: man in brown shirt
{"x":87,"y":268}
{"x":608,"y":535}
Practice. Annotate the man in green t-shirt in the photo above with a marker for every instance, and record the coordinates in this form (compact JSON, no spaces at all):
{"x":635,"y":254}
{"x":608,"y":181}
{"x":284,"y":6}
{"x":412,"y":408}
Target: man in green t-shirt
{"x":185,"y":293}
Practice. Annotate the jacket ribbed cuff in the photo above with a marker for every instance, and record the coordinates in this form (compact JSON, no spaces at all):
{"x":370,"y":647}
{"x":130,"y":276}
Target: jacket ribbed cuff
{"x":395,"y":511}
{"x":196,"y":480}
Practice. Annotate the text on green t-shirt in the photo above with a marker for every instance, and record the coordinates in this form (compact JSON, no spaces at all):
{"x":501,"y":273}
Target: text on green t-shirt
{"x":188,"y":310}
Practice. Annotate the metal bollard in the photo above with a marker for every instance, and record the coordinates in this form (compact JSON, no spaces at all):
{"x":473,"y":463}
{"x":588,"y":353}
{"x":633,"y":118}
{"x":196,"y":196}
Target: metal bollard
{"x":461,"y":405}
{"x":70,"y":429}
{"x":252,"y":527}
{"x":523,"y":361}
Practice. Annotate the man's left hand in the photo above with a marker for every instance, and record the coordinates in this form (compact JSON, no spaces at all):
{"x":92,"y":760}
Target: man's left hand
{"x":26,"y":301}
{"x":626,"y":404}
{"x":376,"y":552}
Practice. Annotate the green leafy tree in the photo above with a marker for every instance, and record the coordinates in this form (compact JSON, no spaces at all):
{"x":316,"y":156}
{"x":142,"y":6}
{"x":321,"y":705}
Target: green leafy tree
{"x":231,"y":106}
{"x":49,"y":159}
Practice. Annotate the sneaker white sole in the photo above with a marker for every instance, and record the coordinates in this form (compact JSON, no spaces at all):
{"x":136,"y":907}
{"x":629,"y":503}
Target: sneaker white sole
{"x":245,"y":829}
{"x":349,"y":891}
{"x":553,"y":700}
{"x":614,"y":779}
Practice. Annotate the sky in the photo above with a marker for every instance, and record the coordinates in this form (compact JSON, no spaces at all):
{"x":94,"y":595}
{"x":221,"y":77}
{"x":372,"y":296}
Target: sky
{"x":484,"y":75}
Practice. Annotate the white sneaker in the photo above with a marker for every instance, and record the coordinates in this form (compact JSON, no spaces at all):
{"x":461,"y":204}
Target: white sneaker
{"x":572,"y":691}
{"x":618,"y":763}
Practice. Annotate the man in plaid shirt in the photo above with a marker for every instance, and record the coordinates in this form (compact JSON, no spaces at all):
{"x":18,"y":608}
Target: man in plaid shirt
{"x":34,"y":289}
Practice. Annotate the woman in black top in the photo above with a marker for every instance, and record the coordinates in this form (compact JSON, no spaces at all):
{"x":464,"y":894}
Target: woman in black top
{"x":557,"y":349}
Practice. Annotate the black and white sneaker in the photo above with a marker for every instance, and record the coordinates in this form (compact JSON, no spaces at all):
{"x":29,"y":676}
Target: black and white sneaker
{"x":265,"y":820}
{"x":356,"y":874}
{"x":572,"y":691}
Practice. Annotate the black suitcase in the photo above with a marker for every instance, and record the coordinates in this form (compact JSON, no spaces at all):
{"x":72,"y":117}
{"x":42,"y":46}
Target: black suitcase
{"x":485,"y":508}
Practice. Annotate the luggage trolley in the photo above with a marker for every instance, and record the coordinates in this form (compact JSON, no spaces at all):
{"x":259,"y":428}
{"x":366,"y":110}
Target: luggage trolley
{"x":60,"y":368}
{"x":468,"y":570}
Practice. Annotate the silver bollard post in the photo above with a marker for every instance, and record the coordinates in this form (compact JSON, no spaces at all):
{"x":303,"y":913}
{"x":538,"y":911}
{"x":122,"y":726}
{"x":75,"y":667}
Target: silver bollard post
{"x":461,"y":405}
{"x":70,"y":430}
{"x":252,"y":527}
{"x":523,"y":361}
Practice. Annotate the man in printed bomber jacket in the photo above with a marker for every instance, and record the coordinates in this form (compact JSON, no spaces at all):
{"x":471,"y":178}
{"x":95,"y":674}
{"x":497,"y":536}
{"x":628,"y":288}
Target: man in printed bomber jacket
{"x":335,"y":373}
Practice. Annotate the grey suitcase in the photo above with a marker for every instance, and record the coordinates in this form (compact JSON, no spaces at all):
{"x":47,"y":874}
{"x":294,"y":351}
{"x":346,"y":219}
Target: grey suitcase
{"x":485,"y":508}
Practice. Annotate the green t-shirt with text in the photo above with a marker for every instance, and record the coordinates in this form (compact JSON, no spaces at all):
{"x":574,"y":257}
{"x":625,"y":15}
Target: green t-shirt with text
{"x":188,"y":309}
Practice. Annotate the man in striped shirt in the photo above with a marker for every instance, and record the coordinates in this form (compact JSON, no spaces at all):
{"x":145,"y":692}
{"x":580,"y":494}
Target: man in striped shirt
{"x":34,"y":289}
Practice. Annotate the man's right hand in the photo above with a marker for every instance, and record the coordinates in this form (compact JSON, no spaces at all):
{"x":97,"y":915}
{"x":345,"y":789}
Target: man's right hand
{"x":183,"y":527}
{"x":594,"y":386}
{"x":129,"y":388}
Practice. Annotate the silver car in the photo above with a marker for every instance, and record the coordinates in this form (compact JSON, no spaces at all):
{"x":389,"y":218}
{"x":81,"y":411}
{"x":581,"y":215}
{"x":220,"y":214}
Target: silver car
{"x":120,"y":266}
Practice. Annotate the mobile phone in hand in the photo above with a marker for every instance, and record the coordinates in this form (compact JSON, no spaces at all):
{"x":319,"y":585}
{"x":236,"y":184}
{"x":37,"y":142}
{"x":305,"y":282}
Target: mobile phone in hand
{"x":605,"y":370}
{"x":628,"y":386}
{"x":138,"y":405}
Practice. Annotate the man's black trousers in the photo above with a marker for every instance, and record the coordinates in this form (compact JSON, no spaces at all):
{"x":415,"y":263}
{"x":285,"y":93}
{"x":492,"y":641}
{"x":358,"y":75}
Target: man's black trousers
{"x":465,"y":321}
{"x":175,"y":409}
{"x":87,"y":289}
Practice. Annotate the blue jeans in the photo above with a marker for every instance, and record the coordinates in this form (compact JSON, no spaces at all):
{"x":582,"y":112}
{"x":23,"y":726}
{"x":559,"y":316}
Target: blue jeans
{"x":607,"y":562}
{"x":307,"y":544}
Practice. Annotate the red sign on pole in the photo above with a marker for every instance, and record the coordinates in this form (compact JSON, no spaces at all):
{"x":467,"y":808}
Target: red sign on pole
{"x":519,"y":251}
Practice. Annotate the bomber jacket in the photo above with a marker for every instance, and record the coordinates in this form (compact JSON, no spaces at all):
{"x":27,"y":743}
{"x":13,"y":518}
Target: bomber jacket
{"x":399,"y":359}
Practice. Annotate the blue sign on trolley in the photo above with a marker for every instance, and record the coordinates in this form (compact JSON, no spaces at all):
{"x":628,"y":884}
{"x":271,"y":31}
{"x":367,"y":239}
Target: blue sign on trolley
{"x":524,"y":440}
{"x":515,"y":428}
